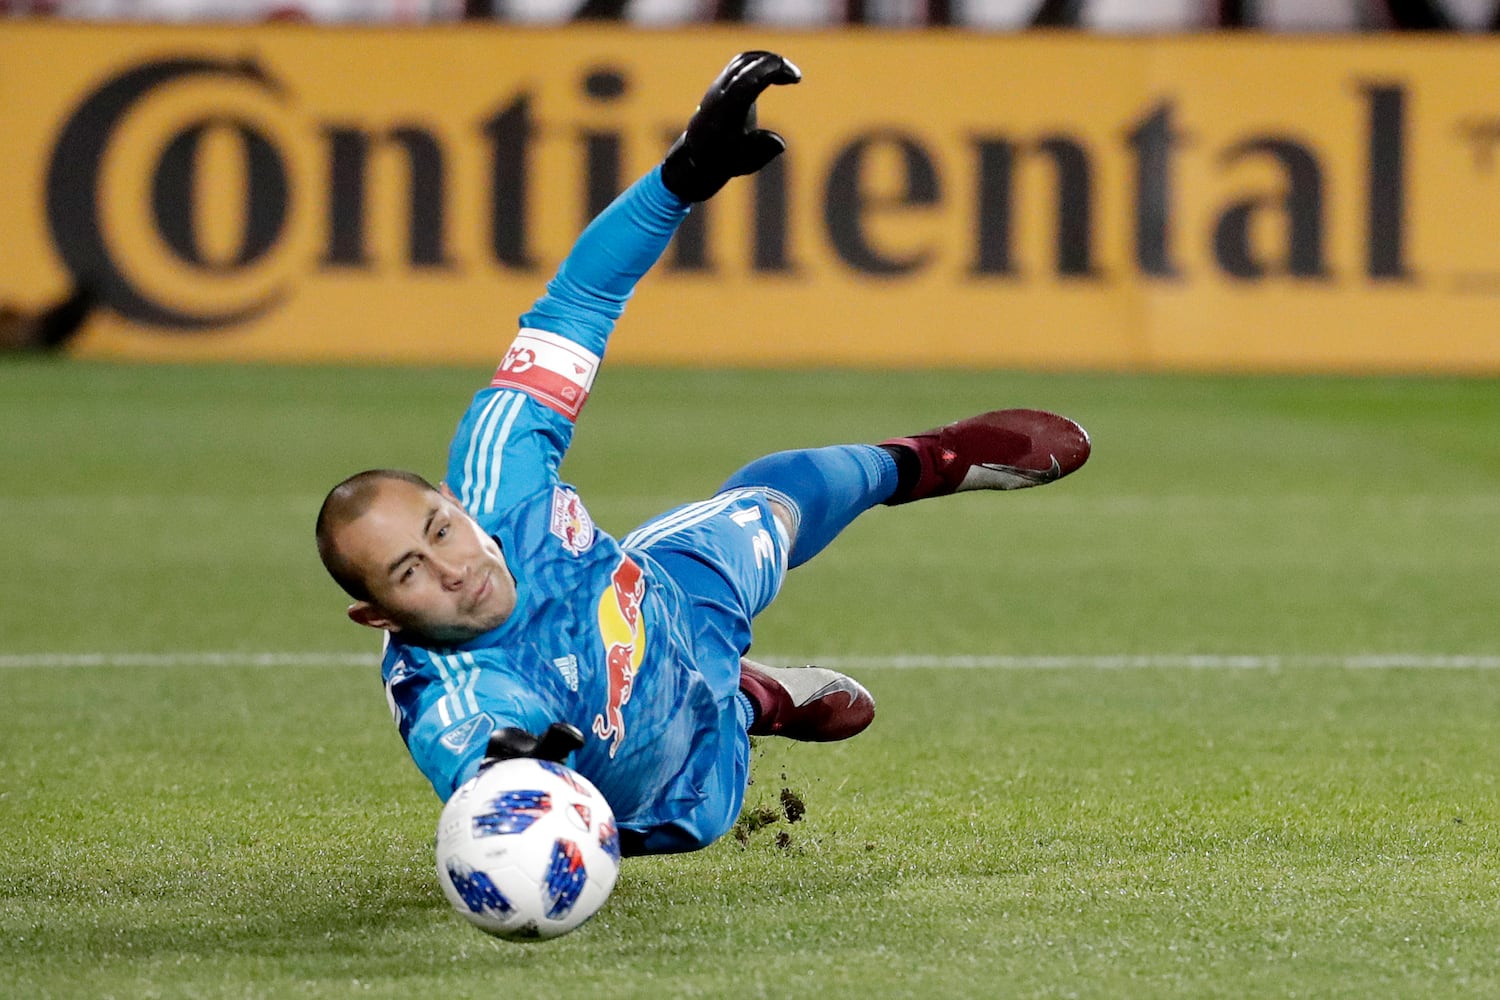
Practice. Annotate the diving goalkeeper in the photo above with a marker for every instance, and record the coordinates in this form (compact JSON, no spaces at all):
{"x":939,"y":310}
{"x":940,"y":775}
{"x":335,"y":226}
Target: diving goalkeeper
{"x":516,"y":626}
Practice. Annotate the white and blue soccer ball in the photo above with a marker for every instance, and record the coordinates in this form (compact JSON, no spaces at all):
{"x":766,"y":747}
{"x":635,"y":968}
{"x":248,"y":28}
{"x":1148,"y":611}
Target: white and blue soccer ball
{"x":527,"y":849}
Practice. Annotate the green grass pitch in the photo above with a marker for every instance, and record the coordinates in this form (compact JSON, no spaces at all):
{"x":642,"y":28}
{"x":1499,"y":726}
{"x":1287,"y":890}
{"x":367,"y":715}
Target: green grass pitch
{"x":1219,"y":716}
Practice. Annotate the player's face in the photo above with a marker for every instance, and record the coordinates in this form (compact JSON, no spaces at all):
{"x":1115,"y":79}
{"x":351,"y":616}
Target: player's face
{"x":428,"y":567}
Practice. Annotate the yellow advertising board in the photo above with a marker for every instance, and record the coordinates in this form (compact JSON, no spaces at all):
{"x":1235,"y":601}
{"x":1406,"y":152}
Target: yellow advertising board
{"x":289,"y":192}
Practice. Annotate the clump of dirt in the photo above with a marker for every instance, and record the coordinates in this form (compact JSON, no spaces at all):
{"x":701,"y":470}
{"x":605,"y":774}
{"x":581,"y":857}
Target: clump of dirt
{"x":792,"y":806}
{"x":752,"y":820}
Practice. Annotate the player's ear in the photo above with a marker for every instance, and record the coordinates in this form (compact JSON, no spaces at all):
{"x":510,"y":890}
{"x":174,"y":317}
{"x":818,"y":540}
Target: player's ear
{"x":367,"y":614}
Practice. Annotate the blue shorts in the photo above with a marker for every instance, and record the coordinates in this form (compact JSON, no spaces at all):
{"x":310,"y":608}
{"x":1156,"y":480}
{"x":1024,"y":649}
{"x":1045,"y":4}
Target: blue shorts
{"x":728,"y":557}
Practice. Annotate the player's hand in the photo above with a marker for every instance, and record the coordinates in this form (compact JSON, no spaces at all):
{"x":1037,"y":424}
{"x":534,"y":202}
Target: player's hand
{"x":555,"y":744}
{"x":721,"y":140}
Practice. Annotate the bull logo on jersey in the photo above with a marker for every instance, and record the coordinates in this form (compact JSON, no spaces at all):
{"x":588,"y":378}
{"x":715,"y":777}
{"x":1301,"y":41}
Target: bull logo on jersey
{"x":570,"y":522}
{"x":620,"y":627}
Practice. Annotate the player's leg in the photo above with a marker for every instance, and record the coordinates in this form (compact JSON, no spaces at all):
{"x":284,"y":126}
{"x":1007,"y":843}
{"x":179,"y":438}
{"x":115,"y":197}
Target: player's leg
{"x":825,"y":489}
{"x":999,"y":450}
{"x":722,"y":794}
{"x":822,"y":715}
{"x":811,"y":704}
{"x":728,"y":556}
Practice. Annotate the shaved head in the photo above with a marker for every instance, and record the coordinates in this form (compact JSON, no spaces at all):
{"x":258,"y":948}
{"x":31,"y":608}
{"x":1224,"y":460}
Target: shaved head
{"x":347,"y":502}
{"x":413,"y":559}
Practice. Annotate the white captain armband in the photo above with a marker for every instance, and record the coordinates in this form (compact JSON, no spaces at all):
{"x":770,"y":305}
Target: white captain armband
{"x":549,"y":368}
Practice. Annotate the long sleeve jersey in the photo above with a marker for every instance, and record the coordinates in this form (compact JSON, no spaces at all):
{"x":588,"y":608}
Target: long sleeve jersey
{"x":598,"y":635}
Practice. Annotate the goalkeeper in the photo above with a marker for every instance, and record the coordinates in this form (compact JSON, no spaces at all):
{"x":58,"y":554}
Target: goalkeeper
{"x":507,"y":610}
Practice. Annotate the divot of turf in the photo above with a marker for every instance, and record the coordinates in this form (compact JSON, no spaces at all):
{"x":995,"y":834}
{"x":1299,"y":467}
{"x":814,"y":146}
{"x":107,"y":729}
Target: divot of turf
{"x":752,"y":820}
{"x":792,"y":806}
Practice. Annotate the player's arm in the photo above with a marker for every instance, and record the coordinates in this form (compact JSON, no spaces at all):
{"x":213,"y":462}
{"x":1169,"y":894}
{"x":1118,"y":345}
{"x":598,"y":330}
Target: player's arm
{"x":449,"y":708}
{"x":558,"y":351}
{"x":721,"y":141}
{"x":450,"y":752}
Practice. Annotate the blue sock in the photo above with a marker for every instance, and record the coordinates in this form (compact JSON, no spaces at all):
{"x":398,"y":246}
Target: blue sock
{"x":747,"y":709}
{"x":829,"y":487}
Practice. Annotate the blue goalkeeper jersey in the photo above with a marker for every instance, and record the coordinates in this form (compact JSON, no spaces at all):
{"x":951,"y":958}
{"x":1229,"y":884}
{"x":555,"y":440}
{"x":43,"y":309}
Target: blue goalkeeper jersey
{"x":596,"y":637}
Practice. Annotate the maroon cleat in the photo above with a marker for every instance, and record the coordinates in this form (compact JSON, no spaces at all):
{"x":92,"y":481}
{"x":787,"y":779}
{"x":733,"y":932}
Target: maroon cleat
{"x":999,"y":450}
{"x":811,"y":704}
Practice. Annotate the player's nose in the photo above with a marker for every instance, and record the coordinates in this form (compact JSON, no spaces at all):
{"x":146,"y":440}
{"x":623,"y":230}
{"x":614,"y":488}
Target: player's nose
{"x":451,"y":573}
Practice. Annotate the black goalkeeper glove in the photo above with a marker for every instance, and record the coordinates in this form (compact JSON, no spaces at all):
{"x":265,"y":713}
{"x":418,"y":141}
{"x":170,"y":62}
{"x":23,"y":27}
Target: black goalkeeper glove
{"x":555,"y":744}
{"x":721,"y":140}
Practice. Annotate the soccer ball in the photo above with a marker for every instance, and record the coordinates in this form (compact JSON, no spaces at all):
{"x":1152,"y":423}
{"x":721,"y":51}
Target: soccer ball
{"x":527,"y":849}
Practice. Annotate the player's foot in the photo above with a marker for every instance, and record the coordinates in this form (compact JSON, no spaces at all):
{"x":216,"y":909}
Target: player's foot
{"x":999,"y":450}
{"x":805,"y":703}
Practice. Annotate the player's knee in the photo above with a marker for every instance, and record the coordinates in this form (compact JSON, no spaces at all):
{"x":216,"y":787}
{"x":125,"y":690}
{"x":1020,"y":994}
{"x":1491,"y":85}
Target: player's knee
{"x":787,"y":519}
{"x":670,"y":838}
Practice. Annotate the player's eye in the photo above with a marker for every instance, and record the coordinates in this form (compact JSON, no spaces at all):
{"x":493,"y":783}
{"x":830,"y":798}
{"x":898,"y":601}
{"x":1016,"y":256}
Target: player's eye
{"x":442,"y":532}
{"x":407,"y":573}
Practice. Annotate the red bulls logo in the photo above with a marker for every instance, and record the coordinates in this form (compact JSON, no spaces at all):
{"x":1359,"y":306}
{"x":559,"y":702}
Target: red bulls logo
{"x":570,"y":522}
{"x":624,"y":647}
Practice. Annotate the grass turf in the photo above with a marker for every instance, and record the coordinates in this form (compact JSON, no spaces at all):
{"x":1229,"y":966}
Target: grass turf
{"x":213,"y":826}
